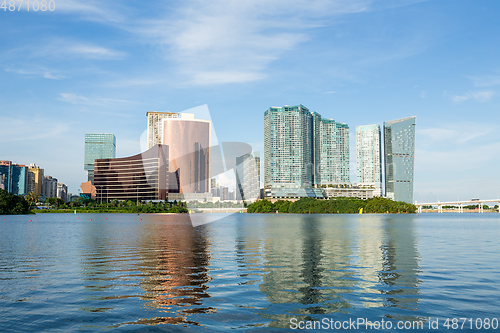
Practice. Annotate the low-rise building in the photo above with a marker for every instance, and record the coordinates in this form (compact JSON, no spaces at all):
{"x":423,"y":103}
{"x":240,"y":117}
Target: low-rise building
{"x":142,"y":177}
{"x":349,"y":192}
{"x":293,"y":193}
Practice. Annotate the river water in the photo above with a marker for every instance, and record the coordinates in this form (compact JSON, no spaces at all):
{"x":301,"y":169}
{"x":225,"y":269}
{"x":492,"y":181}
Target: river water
{"x":254,"y":272}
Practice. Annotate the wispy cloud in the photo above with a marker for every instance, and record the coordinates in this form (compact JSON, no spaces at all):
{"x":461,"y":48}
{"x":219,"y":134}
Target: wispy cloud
{"x":51,"y":76}
{"x":459,"y":158}
{"x":36,"y":72}
{"x":485,"y":81}
{"x":65,"y":49}
{"x":109,"y":12}
{"x":82,"y":100}
{"x":480,"y":96}
{"x":218,"y":42}
{"x":453,"y":134}
{"x":454,"y":160}
{"x":44,"y":129}
{"x":93,"y":51}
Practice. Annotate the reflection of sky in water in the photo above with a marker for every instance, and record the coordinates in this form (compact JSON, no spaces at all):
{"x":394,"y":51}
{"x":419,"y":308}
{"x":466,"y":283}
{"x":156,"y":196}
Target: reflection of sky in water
{"x":244,"y":271}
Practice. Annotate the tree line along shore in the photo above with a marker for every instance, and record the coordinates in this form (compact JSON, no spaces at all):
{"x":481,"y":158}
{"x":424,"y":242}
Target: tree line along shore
{"x":12,"y":204}
{"x":340,"y":205}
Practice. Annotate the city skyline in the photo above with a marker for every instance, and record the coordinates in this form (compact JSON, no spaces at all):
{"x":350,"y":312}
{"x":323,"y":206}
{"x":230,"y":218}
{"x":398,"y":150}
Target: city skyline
{"x":89,"y":67}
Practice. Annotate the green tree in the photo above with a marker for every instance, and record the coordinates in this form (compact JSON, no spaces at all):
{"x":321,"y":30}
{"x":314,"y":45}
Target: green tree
{"x":13,"y":204}
{"x":32,"y":199}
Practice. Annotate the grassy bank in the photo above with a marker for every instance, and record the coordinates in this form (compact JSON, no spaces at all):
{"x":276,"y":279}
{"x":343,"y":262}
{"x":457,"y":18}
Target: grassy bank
{"x":122,"y":210}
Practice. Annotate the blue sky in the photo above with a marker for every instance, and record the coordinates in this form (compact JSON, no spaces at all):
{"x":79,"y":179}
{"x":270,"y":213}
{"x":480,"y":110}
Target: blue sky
{"x":95,"y":66}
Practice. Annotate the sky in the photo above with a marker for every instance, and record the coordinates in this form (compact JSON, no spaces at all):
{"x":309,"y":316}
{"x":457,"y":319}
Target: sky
{"x":99,"y":66}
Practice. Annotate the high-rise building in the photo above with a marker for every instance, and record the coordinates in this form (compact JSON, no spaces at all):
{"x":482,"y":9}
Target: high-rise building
{"x":334,"y":153}
{"x":302,"y":151}
{"x":369,"y":157}
{"x":15,"y":177}
{"x":49,"y":188}
{"x":98,"y":146}
{"x":188,"y":141}
{"x":6,"y":175}
{"x":288,"y":147}
{"x":62,"y":192}
{"x":399,"y":153}
{"x":248,"y":177}
{"x":35,"y":179}
{"x":155,"y":126}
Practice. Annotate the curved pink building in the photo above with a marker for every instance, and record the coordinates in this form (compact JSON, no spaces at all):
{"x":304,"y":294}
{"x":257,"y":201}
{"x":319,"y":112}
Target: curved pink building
{"x":188,"y":142}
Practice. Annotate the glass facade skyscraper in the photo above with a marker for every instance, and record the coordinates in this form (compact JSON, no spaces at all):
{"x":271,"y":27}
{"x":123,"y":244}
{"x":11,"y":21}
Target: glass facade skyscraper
{"x":369,"y":157}
{"x":399,"y":153}
{"x":248,"y":177}
{"x":98,"y":146}
{"x":288,"y":147}
{"x":334,"y":153}
{"x":303,"y":150}
{"x":14,"y":177}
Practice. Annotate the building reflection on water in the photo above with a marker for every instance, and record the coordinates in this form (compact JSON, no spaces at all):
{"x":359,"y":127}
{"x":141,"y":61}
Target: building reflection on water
{"x":175,"y":266}
{"x":165,"y":265}
{"x":336,"y":264}
{"x":305,"y":266}
{"x":398,"y":277}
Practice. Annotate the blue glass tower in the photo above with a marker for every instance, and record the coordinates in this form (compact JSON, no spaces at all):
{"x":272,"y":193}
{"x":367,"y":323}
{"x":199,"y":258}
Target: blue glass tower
{"x":14,"y":177}
{"x":98,"y":146}
{"x":399,"y":152}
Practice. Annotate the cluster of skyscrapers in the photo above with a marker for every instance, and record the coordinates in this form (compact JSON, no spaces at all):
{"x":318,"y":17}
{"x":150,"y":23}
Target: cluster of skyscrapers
{"x":176,"y":165}
{"x":305,"y":153}
{"x":22,"y":180}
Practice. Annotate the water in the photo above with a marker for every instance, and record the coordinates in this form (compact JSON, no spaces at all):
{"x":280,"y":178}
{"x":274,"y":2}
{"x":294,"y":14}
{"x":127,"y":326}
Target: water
{"x":86,"y":273}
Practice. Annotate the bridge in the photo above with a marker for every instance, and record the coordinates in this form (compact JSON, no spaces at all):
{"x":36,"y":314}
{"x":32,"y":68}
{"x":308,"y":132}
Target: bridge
{"x":460,"y":204}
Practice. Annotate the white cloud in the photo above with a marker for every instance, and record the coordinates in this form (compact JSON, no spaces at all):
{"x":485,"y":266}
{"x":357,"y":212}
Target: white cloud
{"x":36,"y":72}
{"x":424,"y":94}
{"x":456,"y":159}
{"x":44,"y":129}
{"x":457,"y":133}
{"x":51,"y":76}
{"x":62,"y":49}
{"x":461,"y":158}
{"x":485,"y":81}
{"x":74,"y":99}
{"x":109,"y":12}
{"x":480,"y":96}
{"x":227,"y":179}
{"x":217,"y":42}
{"x":92,"y":51}
{"x":82,"y":100}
